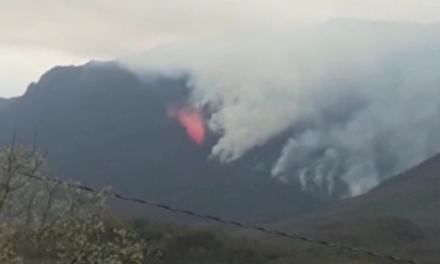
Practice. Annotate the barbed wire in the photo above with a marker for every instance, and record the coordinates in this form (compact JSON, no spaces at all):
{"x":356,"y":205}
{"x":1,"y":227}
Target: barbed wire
{"x":226,"y":221}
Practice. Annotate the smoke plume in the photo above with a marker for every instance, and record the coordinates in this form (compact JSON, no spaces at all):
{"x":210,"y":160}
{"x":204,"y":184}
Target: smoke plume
{"x":360,"y":99}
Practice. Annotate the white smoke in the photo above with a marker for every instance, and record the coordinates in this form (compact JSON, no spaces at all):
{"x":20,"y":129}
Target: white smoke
{"x":369,"y":92}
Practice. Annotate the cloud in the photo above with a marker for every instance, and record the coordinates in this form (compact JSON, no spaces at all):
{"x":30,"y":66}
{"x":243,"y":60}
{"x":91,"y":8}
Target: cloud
{"x":109,"y":28}
{"x":346,"y":90}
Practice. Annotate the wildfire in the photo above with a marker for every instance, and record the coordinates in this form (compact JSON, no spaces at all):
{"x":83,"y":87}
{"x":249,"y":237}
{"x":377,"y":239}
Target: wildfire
{"x":191,"y":120}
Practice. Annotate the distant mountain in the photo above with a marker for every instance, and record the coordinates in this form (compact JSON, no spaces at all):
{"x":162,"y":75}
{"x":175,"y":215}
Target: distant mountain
{"x":413,"y":195}
{"x":101,"y":125}
{"x":402,"y":216}
{"x":4,"y":103}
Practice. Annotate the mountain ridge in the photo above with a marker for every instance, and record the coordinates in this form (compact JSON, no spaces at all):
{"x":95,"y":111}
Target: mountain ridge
{"x":99,"y":121}
{"x":399,"y":216}
{"x":100,"y":125}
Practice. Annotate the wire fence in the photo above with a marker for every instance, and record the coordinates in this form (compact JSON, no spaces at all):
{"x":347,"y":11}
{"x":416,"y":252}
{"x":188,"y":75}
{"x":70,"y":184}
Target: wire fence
{"x":229,"y":222}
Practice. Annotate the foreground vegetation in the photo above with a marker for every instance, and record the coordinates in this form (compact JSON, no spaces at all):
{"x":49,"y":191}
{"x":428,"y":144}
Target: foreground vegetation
{"x":44,"y":222}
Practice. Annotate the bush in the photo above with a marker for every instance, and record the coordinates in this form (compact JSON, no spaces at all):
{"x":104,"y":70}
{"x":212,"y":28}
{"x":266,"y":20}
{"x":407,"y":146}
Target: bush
{"x":43,"y":221}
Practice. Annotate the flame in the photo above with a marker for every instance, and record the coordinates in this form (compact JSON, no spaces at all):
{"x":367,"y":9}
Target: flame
{"x":191,"y":120}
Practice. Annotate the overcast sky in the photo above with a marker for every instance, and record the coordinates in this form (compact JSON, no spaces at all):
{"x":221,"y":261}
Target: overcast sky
{"x":36,"y":35}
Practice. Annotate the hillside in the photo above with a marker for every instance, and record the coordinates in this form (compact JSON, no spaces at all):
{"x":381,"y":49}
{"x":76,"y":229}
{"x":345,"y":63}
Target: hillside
{"x":401,"y":215}
{"x":4,"y":103}
{"x":413,"y":195}
{"x":101,"y":125}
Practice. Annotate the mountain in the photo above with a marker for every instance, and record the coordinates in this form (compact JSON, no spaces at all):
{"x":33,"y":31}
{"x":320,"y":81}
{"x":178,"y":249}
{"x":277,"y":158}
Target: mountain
{"x":413,"y":195}
{"x":4,"y":103}
{"x":102,"y":126}
{"x":400,"y":216}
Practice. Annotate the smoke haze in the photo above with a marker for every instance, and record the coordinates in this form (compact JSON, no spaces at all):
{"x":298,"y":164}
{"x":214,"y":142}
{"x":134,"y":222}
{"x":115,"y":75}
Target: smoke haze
{"x":360,"y":99}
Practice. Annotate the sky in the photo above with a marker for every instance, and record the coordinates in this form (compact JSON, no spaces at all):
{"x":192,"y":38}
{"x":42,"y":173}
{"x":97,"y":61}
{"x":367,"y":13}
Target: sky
{"x":36,"y":35}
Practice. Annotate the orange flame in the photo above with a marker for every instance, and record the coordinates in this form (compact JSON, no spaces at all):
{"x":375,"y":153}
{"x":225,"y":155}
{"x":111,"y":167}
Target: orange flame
{"x":191,"y":120}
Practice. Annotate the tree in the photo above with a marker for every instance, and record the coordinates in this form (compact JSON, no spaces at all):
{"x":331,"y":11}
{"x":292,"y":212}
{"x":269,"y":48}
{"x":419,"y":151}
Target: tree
{"x":44,"y":221}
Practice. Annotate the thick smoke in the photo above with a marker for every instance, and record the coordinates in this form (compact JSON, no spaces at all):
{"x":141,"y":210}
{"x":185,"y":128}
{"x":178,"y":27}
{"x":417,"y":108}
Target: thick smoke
{"x":362,"y":99}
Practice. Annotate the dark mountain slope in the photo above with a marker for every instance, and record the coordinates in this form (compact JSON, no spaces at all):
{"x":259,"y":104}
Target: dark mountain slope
{"x":413,"y":195}
{"x":101,"y":125}
{"x":4,"y":103}
{"x":401,"y":216}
